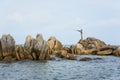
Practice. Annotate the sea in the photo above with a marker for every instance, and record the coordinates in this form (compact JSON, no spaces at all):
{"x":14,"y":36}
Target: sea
{"x":106,"y":68}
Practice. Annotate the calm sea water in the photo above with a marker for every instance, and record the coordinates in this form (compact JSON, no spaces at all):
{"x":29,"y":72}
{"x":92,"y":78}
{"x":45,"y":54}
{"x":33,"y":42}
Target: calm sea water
{"x":106,"y":69}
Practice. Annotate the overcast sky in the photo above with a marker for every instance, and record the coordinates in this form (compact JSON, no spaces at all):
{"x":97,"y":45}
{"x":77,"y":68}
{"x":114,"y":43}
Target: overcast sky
{"x":60,"y":18}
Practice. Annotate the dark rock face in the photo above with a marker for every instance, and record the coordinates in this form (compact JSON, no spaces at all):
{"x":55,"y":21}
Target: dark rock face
{"x":89,"y":59}
{"x":85,"y":59}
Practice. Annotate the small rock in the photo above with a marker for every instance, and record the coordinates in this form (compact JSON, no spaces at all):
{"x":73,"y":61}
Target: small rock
{"x":86,"y":59}
{"x":51,"y":57}
{"x":71,"y":56}
{"x":89,"y":59}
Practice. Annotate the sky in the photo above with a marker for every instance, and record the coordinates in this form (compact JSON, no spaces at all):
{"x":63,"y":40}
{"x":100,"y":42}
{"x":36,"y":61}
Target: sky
{"x":61,"y":18}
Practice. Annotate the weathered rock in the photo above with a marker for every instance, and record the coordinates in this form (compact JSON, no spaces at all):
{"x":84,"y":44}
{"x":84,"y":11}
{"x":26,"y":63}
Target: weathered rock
{"x":54,"y":44}
{"x":36,"y":48}
{"x":64,"y":54}
{"x":39,"y":38}
{"x":108,"y":47}
{"x":91,"y":51}
{"x":8,"y":46}
{"x":1,"y":54}
{"x":71,"y":56}
{"x":41,"y":47}
{"x":105,"y":52}
{"x":56,"y":52}
{"x":67,"y":49}
{"x":74,"y":50}
{"x":89,"y":59}
{"x":44,"y":51}
{"x":20,"y":54}
{"x":27,"y":44}
{"x":79,"y":48}
{"x":97,"y":58}
{"x":51,"y":42}
{"x":87,"y":46}
{"x":9,"y":58}
{"x":91,"y":43}
{"x":79,"y":51}
{"x":117,"y":52}
{"x":51,"y":57}
{"x":58,"y":45}
{"x":86,"y":59}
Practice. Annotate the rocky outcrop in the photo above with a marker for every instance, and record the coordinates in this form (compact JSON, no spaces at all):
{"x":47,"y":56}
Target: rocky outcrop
{"x":36,"y":49}
{"x":54,"y":45}
{"x":106,"y":50}
{"x":91,"y":43}
{"x":64,"y":54}
{"x":39,"y":49}
{"x":19,"y":51}
{"x":117,"y":52}
{"x":77,"y":49}
{"x":87,"y":46}
{"x":7,"y":47}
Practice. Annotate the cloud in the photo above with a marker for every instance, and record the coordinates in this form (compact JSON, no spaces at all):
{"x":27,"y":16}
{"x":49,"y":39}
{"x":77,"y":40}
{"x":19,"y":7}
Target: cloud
{"x":18,"y":17}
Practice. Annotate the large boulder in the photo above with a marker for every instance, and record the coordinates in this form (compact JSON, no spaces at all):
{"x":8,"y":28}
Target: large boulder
{"x":36,"y":49}
{"x":105,"y":52}
{"x":28,"y":47}
{"x":77,"y":49}
{"x":88,"y":46}
{"x":117,"y":52}
{"x":19,"y":51}
{"x":44,"y":51}
{"x":54,"y":45}
{"x":89,"y":59}
{"x":73,"y":49}
{"x":71,"y":56}
{"x":108,"y":47}
{"x":89,"y":51}
{"x":64,"y":54}
{"x":8,"y":46}
{"x":27,"y":44}
{"x":67,"y":49}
